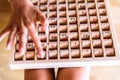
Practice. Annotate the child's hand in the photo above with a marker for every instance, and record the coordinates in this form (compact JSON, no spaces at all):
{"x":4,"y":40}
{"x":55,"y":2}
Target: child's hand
{"x":22,"y":22}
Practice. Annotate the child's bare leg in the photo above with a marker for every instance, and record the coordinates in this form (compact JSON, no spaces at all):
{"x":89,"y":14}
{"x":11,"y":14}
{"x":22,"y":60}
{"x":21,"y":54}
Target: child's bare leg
{"x":74,"y":73}
{"x":39,"y":74}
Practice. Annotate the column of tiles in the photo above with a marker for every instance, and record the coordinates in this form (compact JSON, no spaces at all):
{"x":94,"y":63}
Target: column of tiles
{"x":97,"y":49}
{"x":53,"y":30}
{"x":85,"y":36}
{"x":105,"y":28}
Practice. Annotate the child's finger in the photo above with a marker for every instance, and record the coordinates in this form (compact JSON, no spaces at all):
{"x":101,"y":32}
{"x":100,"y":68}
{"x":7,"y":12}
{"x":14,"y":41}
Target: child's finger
{"x":23,"y":40}
{"x":4,"y":33}
{"x":44,"y":21}
{"x":11,"y":37}
{"x":33,"y":33}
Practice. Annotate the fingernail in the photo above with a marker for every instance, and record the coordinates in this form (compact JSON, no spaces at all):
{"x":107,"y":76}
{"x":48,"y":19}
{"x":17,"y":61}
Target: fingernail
{"x":46,"y":22}
{"x":47,"y":31}
{"x":22,"y":51}
{"x":41,"y":54}
{"x":0,"y":39}
{"x":8,"y":47}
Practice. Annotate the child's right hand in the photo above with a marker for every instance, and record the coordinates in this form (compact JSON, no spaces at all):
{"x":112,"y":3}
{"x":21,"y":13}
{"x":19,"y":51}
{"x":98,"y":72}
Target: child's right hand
{"x":22,"y":22}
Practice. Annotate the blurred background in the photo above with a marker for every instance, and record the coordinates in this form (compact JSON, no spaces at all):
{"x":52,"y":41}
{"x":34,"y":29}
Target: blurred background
{"x":97,"y":73}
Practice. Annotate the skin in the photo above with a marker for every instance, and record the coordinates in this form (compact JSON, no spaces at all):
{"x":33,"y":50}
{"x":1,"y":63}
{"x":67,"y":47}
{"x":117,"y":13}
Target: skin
{"x":39,"y":74}
{"x":23,"y":22}
{"x":81,"y":73}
